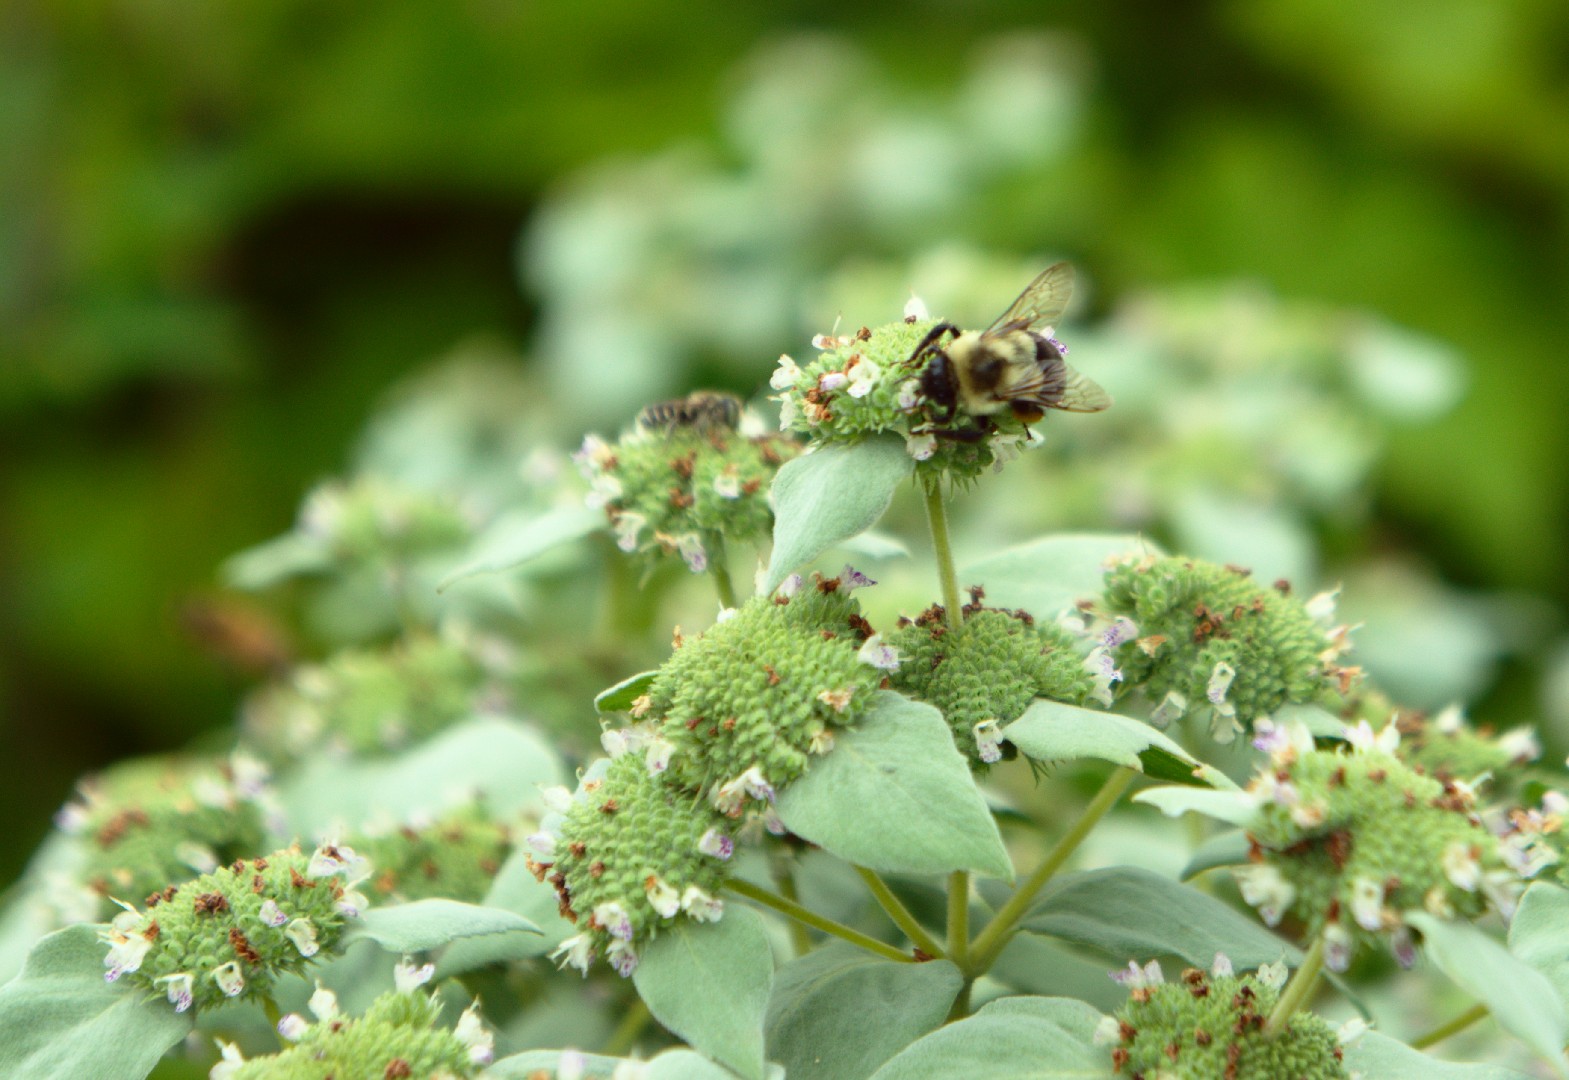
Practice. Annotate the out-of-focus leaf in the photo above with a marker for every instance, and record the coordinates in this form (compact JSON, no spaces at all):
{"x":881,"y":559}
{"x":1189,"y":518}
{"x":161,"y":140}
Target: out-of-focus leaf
{"x":1016,"y":1038}
{"x":1223,"y":849}
{"x":1378,"y":1056}
{"x":517,"y":538}
{"x":1539,"y":933}
{"x":1234,"y":807}
{"x":1054,"y":731}
{"x":279,"y":559}
{"x":1271,"y":540}
{"x":1046,"y":576}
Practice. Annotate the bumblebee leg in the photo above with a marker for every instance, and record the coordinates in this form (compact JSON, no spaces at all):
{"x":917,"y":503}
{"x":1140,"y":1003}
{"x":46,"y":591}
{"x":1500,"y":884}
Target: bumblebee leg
{"x":932,"y":337}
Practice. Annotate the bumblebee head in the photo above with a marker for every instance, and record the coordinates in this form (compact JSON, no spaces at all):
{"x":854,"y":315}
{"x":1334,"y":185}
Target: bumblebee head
{"x":937,"y":381}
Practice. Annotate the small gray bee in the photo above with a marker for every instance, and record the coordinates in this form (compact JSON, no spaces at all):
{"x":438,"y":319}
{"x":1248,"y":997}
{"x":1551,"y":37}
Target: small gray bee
{"x":1009,"y":365}
{"x":704,"y":411}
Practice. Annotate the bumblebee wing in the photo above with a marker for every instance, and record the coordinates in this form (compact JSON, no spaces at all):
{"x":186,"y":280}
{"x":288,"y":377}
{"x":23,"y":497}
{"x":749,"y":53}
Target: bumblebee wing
{"x":1058,"y":386}
{"x":1042,"y":302}
{"x":1081,"y":393}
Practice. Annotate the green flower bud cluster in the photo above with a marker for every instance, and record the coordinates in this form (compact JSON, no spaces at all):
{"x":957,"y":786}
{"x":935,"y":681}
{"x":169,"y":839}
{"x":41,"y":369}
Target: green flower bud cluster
{"x":231,"y":933}
{"x":627,"y":854}
{"x":866,"y":384}
{"x":1211,"y":1025}
{"x":147,"y":823}
{"x":1445,"y":746}
{"x":986,"y":675}
{"x":1194,"y":635}
{"x":741,"y":708}
{"x":1348,"y":842}
{"x":367,"y":700}
{"x":455,"y":856}
{"x":371,"y":519}
{"x":684,"y":488}
{"x":399,"y":1035}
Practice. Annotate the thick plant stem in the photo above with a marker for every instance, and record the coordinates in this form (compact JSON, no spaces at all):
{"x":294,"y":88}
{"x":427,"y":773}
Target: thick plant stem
{"x":937,"y":518}
{"x":814,"y":920}
{"x":901,"y":914}
{"x":719,"y":568}
{"x":624,"y":1038}
{"x":1450,"y":1027}
{"x":1299,"y":990}
{"x":959,"y":918}
{"x":990,"y":941}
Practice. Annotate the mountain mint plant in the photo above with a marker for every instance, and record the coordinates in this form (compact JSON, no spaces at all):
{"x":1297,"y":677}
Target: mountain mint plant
{"x":803,"y":845}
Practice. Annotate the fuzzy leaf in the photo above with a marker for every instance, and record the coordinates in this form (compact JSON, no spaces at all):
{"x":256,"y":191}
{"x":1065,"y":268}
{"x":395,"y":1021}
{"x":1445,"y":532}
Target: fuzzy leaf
{"x":619,"y":698}
{"x":895,"y":795}
{"x":514,"y":889}
{"x":1049,"y":575}
{"x":1539,"y":933}
{"x":1016,"y":1038}
{"x":1375,"y":1055}
{"x":1229,"y":848}
{"x":431,"y":923}
{"x":531,"y":1063}
{"x":1132,"y":914}
{"x":1521,"y":998}
{"x":829,"y":495}
{"x":277,"y":560}
{"x":1233,"y":807}
{"x":58,"y":1018}
{"x":1054,"y":731}
{"x":521,"y":536}
{"x":682,"y":1064}
{"x":838,"y":1013}
{"x":709,"y":983}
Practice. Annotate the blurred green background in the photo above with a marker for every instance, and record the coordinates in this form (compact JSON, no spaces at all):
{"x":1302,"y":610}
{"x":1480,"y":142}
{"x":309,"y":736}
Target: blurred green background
{"x":228,"y":229}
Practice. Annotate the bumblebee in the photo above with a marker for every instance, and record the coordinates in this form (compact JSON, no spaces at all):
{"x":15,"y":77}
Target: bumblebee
{"x":1010,"y":365}
{"x":706,"y":412}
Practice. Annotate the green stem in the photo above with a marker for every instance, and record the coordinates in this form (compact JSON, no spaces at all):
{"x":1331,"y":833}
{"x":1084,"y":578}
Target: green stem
{"x":624,"y":1038}
{"x":901,"y":914}
{"x":959,"y":919}
{"x":1299,"y":990}
{"x":1452,"y":1027}
{"x":274,"y":1014}
{"x":784,"y":881}
{"x":989,"y":943}
{"x":719,"y":567}
{"x":937,"y":518}
{"x":814,"y":920}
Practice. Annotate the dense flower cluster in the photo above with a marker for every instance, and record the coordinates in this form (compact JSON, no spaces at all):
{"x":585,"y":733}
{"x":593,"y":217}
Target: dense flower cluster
{"x":1200,"y":637}
{"x":1446,"y":747}
{"x":983,"y":677}
{"x":147,"y":823}
{"x":455,"y":856}
{"x":1348,"y":842}
{"x":683,"y":489}
{"x":868,"y":383}
{"x":368,"y":700}
{"x":1211,"y":1025}
{"x":399,"y":1035}
{"x":231,"y":933}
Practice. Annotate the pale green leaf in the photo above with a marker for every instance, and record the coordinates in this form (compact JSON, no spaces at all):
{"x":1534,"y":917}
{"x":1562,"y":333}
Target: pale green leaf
{"x":825,"y":497}
{"x":58,"y":1018}
{"x":1319,"y":721}
{"x":531,"y":1063}
{"x":619,"y":698}
{"x":838,"y":1012}
{"x":504,"y":761}
{"x":517,"y":890}
{"x":1054,"y":731}
{"x":1539,"y":933}
{"x":1049,"y":575}
{"x":283,"y":557}
{"x":1270,"y":539}
{"x":875,"y":545}
{"x":1132,"y":914}
{"x":895,"y":795}
{"x":682,"y":1064}
{"x":1379,"y":1057}
{"x":521,"y":536}
{"x":1229,"y":848}
{"x":1520,"y":997}
{"x":1234,"y":807}
{"x":709,"y":983}
{"x":1016,"y":1038}
{"x":431,"y":923}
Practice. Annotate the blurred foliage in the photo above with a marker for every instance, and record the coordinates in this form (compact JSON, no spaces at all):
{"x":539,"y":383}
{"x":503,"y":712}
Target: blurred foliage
{"x":228,"y":230}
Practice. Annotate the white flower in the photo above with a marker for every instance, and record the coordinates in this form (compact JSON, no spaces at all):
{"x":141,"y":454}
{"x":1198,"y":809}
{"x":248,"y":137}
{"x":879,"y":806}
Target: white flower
{"x":1220,"y":680}
{"x":716,"y":844}
{"x":407,"y":976}
{"x":915,"y":309}
{"x":1337,"y":947}
{"x":879,"y":655}
{"x":229,"y":1064}
{"x":1221,"y":968}
{"x":851,"y":579}
{"x":1264,"y":888}
{"x":303,"y":933}
{"x":126,"y":951}
{"x":179,"y":989}
{"x":556,"y":797}
{"x":790,"y":586}
{"x":1172,"y":707}
{"x":785,"y":375}
{"x":576,"y":951}
{"x":662,"y":896}
{"x":613,"y":918}
{"x":729,"y":796}
{"x":72,"y":818}
{"x":789,"y":411}
{"x":603,"y":489}
{"x":821,"y":742}
{"x":1103,"y":667}
{"x":229,"y":977}
{"x":1461,"y":866}
{"x":1321,"y":608}
{"x":832,"y":380}
{"x":592,"y":456}
{"x":292,"y":1026}
{"x":658,"y":754}
{"x":909,"y":395}
{"x":1108,"y":1032}
{"x":690,"y":545}
{"x":1449,"y":721}
{"x":571,"y":1065}
{"x":629,"y":1070}
{"x":330,"y":859}
{"x":1367,"y":903}
{"x":727,"y":485}
{"x":920,"y":446}
{"x":837,"y":700}
{"x":1138,"y":978}
{"x":863,"y":378}
{"x":470,"y":1031}
{"x":1273,"y":975}
{"x":323,"y":1003}
{"x":1403,"y":948}
{"x":1122,"y":630}
{"x":623,"y":957}
{"x":628,"y":525}
{"x":271,"y":913}
{"x":1352,"y":1030}
{"x":701,"y":906}
{"x":988,"y":741}
{"x":1521,"y":744}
